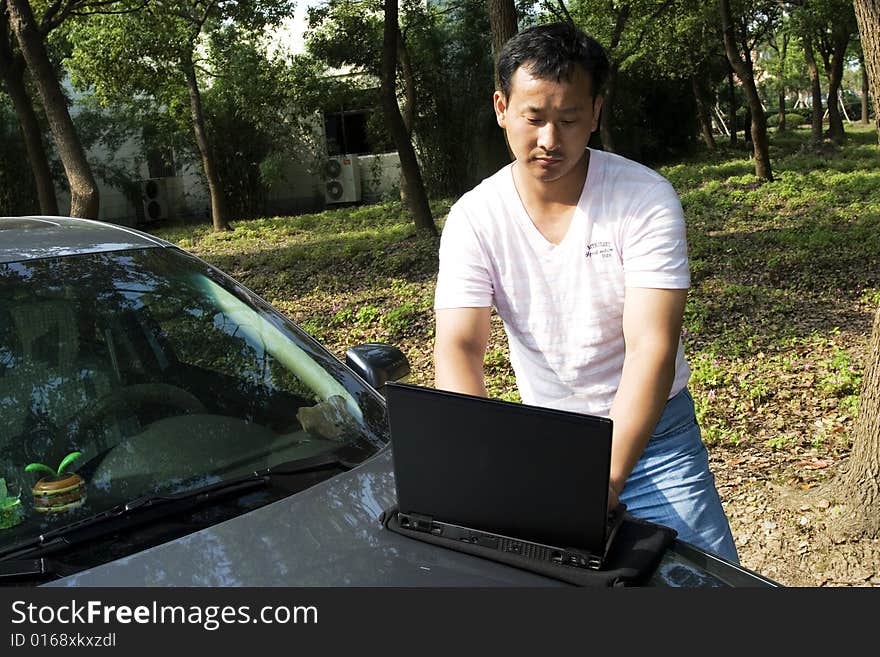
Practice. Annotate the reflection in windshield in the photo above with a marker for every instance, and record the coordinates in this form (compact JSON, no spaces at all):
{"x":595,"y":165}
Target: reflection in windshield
{"x":159,"y":376}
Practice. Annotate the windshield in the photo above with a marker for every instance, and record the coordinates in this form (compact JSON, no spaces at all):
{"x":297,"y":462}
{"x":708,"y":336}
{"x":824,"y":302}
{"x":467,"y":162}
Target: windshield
{"x":145,"y":372}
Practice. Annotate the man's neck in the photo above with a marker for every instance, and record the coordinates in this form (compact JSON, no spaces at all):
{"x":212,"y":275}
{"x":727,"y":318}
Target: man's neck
{"x":550,"y":205}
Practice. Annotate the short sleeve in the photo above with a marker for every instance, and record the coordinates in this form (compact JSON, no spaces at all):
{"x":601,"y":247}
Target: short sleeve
{"x":463,"y":279}
{"x":655,"y":242}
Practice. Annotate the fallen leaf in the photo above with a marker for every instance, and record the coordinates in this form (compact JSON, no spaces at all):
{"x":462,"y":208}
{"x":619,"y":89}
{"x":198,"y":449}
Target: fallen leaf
{"x":814,"y":464}
{"x":823,"y":504}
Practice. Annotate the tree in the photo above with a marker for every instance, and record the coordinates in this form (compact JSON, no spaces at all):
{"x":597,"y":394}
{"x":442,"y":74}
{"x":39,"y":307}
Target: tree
{"x":815,"y":88}
{"x":622,"y":28}
{"x":503,"y":23}
{"x":688,"y":47}
{"x":157,"y":52}
{"x":740,"y":58}
{"x":834,"y":23}
{"x":868,"y":18}
{"x":84,"y":196}
{"x":778,"y":41}
{"x":12,"y":71}
{"x":859,"y":483}
{"x":417,"y":198}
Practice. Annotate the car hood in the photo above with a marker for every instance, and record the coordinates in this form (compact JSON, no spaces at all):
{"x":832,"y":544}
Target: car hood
{"x":328,"y":535}
{"x":331,"y":535}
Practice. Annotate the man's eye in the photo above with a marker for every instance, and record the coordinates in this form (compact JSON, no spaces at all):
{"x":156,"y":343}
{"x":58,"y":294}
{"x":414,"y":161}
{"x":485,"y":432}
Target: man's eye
{"x":534,"y":121}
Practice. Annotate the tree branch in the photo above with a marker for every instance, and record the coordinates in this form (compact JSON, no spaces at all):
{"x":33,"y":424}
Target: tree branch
{"x":647,"y":28}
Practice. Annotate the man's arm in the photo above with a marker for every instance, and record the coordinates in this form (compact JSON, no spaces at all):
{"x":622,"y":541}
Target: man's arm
{"x":652,"y":321}
{"x":460,"y":341}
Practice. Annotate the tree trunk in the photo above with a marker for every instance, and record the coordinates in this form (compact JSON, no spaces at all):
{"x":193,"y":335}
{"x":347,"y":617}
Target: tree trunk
{"x":833,"y":60}
{"x":815,"y":90}
{"x":418,"y":199}
{"x":743,"y":71}
{"x":732,"y":88}
{"x":12,"y":68}
{"x":219,"y":211}
{"x":747,"y":127}
{"x":860,"y":481}
{"x":703,"y":114}
{"x":409,"y":110}
{"x":84,"y":196}
{"x":868,"y":18}
{"x":409,"y":84}
{"x":864,"y":119}
{"x":605,"y":114}
{"x":503,"y":24}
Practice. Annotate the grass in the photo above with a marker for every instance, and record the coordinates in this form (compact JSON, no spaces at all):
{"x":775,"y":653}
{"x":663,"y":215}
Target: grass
{"x":786,"y":276}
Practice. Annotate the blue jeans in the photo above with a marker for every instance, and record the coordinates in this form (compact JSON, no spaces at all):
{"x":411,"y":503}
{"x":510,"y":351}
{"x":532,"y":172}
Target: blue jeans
{"x":673,"y":486}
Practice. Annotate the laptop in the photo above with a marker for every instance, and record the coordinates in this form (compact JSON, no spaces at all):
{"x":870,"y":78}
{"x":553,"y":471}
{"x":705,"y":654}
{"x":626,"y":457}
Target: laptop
{"x":525,"y":480}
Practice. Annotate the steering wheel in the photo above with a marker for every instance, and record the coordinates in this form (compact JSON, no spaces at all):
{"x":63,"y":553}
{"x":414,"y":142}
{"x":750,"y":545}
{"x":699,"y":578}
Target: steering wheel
{"x":128,"y":399}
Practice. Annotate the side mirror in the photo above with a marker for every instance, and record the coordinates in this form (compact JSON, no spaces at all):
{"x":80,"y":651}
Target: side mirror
{"x":377,"y":363}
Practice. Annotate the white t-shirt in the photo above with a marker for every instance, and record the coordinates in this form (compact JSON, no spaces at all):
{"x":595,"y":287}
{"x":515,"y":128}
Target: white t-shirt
{"x":562,"y":304}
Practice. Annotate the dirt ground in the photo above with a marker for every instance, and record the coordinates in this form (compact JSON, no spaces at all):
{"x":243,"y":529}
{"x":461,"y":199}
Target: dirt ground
{"x":779,"y":514}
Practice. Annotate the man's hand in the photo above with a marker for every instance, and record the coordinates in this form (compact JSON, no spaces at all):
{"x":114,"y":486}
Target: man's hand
{"x":613,"y":497}
{"x":460,"y":341}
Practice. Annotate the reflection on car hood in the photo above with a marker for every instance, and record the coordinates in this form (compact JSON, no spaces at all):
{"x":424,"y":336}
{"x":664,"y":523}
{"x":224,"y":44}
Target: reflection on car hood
{"x":328,"y":535}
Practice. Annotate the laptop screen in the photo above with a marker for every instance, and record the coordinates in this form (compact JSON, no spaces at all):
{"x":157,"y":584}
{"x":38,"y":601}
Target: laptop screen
{"x":523,"y":471}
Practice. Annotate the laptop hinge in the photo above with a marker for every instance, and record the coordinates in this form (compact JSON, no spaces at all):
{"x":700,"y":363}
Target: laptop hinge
{"x":417,"y":522}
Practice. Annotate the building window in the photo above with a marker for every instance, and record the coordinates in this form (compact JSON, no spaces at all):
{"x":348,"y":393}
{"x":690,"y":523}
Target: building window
{"x":346,"y":132}
{"x":160,"y":162}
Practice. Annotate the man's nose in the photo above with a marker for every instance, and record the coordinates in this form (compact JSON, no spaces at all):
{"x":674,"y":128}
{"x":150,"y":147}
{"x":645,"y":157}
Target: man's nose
{"x":548,"y":137}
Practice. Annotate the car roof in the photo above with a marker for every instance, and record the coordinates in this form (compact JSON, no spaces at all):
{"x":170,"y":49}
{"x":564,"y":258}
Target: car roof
{"x":30,"y":238}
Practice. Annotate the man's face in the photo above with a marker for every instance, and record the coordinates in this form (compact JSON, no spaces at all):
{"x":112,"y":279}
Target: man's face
{"x":548,"y":123}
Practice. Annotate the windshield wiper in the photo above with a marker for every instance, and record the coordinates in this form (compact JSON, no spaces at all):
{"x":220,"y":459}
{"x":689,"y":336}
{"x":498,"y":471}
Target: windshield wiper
{"x":150,"y":507}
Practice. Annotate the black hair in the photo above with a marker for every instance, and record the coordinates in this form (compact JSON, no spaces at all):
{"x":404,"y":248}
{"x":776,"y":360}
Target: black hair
{"x":550,"y":51}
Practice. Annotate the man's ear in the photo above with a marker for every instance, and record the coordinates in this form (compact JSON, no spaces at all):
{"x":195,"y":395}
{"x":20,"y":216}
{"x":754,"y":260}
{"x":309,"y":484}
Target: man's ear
{"x":597,"y":110}
{"x":499,"y":102}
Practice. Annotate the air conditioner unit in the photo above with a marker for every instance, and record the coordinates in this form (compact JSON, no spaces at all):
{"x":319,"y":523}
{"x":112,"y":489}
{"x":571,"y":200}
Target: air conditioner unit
{"x":154,"y":192}
{"x":342,"y":179}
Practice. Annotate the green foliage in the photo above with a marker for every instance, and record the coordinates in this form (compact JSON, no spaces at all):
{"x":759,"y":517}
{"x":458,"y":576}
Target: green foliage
{"x":839,"y":378}
{"x":18,"y":195}
{"x":66,"y":462}
{"x":5,"y":500}
{"x":792,"y":120}
{"x":457,"y":137}
{"x":261,"y":127}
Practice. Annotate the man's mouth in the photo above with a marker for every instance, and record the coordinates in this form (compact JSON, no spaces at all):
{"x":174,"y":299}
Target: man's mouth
{"x":547,"y":160}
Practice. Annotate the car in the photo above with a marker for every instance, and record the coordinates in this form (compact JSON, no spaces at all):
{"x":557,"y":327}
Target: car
{"x":162,"y":425}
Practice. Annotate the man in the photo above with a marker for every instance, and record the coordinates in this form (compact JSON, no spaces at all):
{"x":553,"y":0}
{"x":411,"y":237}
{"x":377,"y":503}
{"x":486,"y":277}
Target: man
{"x":583,"y":254}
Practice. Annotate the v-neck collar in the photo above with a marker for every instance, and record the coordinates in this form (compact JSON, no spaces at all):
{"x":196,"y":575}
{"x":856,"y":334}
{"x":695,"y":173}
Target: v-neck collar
{"x":535,"y":237}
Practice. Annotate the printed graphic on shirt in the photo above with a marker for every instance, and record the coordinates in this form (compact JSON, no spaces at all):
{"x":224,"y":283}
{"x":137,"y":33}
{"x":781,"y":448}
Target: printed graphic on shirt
{"x":599,"y":250}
